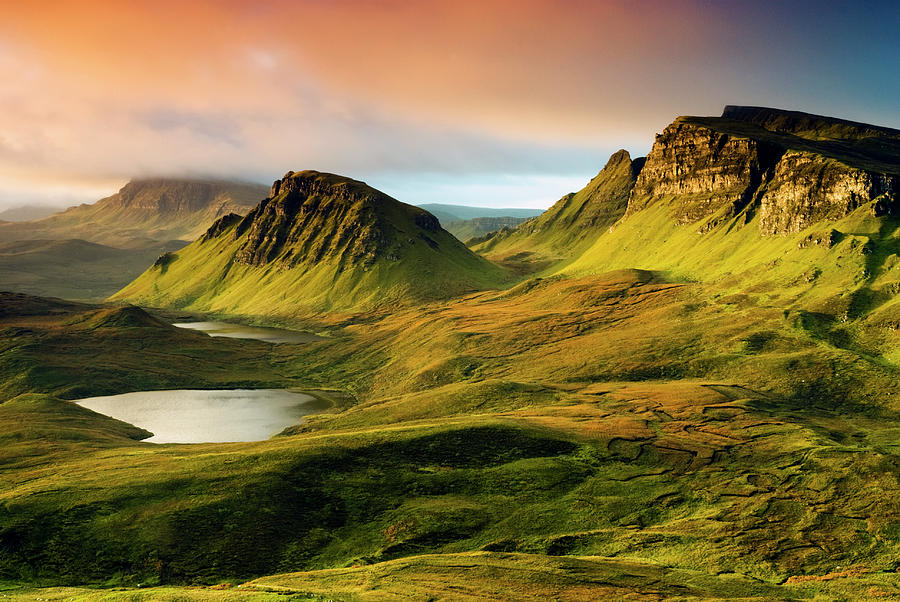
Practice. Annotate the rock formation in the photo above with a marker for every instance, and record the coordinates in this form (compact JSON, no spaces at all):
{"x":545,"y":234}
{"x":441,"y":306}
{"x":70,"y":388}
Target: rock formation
{"x":793,"y":169}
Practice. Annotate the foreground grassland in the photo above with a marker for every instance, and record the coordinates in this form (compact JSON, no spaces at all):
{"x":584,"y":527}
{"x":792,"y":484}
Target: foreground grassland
{"x":621,"y":433}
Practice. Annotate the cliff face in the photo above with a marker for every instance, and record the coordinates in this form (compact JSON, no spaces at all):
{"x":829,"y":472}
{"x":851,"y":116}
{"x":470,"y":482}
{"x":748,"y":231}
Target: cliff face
{"x":797,"y":173}
{"x":806,"y":188}
{"x":177,"y":197}
{"x":708,"y":170}
{"x":310,"y":217}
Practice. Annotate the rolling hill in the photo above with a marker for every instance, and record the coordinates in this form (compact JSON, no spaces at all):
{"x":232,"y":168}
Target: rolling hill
{"x":458,"y":213}
{"x":465,"y":222}
{"x":25,"y":213}
{"x":91,"y":251}
{"x":318,"y":242}
{"x":73,"y":269}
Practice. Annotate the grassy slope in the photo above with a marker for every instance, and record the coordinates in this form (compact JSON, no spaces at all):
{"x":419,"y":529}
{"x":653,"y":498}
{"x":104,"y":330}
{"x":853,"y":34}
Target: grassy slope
{"x":570,"y":225}
{"x":510,"y":422}
{"x":72,"y":269}
{"x":727,"y":414}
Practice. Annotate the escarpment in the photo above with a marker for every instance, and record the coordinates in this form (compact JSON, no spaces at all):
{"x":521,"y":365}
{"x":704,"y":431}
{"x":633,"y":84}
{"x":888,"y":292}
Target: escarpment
{"x":806,"y":188}
{"x":803,"y":170}
{"x":310,"y":217}
{"x":709,"y":171}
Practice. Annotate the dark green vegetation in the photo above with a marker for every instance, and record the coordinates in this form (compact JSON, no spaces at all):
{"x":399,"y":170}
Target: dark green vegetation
{"x":73,"y":269}
{"x":695,"y":397}
{"x":91,"y":251}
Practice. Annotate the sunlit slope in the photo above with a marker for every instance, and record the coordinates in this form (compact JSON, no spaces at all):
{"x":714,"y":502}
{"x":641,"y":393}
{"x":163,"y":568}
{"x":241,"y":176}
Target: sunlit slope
{"x":807,"y":210}
{"x":572,"y":222}
{"x":320,"y":242}
{"x":651,"y":423}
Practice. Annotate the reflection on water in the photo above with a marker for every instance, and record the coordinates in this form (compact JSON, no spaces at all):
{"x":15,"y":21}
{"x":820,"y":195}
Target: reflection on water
{"x":260,"y":333}
{"x":199,"y":416}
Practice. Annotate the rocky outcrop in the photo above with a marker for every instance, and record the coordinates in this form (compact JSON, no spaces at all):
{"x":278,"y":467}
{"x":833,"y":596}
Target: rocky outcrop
{"x":791,"y":169}
{"x":808,"y":188}
{"x":221,"y":224}
{"x":311,"y":216}
{"x":710,"y":172}
{"x":598,"y":205}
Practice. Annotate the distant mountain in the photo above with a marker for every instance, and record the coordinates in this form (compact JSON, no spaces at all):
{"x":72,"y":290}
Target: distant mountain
{"x":319,"y":241}
{"x":458,"y":213}
{"x":465,"y":230}
{"x":26,"y":213}
{"x":144,"y":213}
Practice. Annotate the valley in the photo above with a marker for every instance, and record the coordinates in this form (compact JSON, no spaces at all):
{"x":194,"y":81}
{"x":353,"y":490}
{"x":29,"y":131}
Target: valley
{"x":679,"y":382}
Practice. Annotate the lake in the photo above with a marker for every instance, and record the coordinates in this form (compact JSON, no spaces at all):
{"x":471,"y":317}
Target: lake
{"x":260,"y":333}
{"x":203,"y":416}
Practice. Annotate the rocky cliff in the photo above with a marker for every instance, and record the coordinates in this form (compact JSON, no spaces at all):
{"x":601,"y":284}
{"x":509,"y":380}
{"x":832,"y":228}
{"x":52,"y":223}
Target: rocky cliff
{"x":311,"y":216}
{"x":165,"y":196}
{"x":793,"y":169}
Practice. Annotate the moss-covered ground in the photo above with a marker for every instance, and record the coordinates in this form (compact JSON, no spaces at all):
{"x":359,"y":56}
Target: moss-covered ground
{"x":707,"y":426}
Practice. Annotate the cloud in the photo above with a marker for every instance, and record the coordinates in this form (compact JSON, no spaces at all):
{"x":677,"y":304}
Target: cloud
{"x":443,"y":95}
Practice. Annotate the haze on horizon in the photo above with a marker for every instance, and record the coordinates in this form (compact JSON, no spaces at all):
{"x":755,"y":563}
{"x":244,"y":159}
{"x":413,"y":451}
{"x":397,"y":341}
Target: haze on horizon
{"x":483,"y":103}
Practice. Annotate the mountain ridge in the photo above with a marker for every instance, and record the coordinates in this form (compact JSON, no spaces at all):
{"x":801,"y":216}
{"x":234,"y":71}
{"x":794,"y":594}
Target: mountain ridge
{"x":144,"y":212}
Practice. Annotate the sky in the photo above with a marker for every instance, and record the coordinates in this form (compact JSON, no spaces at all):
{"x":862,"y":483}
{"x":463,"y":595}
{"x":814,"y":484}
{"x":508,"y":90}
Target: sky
{"x":494,"y":103}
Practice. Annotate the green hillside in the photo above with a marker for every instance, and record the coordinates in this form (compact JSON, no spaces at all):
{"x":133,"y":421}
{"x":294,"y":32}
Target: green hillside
{"x":319,"y":242}
{"x":73,"y":269}
{"x":571,"y":223}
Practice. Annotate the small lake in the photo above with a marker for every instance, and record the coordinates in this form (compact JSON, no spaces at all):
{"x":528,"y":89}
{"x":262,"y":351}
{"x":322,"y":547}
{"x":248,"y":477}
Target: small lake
{"x":202,"y":416}
{"x":260,"y":333}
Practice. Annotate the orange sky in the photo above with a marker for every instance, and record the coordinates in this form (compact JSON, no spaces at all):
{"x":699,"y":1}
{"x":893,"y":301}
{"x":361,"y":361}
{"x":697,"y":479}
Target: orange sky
{"x":457,"y":101}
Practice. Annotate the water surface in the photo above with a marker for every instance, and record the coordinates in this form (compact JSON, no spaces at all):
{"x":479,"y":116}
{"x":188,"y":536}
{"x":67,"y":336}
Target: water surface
{"x":201,"y":416}
{"x":239,"y":331}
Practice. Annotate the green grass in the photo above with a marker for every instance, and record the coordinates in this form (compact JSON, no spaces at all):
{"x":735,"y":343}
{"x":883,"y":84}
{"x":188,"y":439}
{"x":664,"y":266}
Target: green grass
{"x":73,"y":269}
{"x":658,"y":412}
{"x":505,"y":421}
